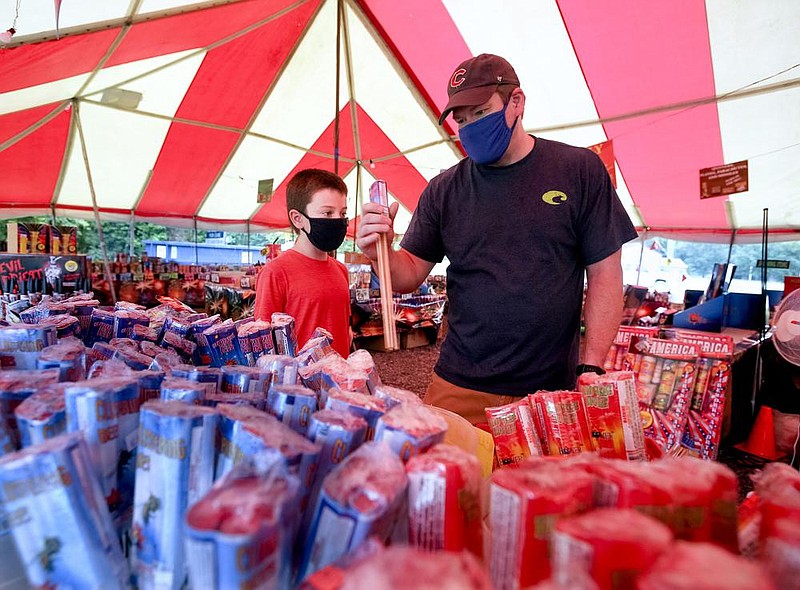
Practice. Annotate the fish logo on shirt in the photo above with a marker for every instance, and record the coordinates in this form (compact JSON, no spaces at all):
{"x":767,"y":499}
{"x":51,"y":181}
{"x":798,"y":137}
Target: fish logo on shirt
{"x":554,"y":197}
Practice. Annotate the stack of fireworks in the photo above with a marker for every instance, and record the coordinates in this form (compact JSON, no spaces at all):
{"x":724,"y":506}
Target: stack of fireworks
{"x":703,"y":430}
{"x":255,"y":339}
{"x":777,"y":490}
{"x":617,"y":360}
{"x":603,"y":418}
{"x":665,"y":378}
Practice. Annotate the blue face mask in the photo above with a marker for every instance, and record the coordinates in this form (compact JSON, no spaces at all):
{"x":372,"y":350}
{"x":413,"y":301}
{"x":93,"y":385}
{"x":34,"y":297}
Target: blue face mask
{"x":487,"y":139}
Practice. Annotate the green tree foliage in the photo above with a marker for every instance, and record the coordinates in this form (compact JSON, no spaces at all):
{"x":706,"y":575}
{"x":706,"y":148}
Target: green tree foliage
{"x":701,"y":258}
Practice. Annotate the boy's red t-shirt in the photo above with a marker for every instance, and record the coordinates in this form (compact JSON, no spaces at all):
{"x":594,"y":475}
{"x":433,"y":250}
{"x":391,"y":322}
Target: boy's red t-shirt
{"x":315,"y":292}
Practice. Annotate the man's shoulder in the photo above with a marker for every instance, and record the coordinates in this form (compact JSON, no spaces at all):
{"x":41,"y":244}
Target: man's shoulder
{"x":443,"y":181}
{"x":558,"y":149}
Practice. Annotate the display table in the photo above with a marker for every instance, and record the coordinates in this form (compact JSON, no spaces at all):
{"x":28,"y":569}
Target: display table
{"x":418,"y":319}
{"x":229,"y":301}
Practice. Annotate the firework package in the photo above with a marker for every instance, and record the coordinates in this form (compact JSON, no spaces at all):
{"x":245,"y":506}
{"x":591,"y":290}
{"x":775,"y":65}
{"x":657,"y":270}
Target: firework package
{"x":617,"y":358}
{"x":703,"y":430}
{"x":665,"y":376}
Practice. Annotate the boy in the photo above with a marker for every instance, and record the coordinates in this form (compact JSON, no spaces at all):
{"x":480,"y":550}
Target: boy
{"x":305,"y":282}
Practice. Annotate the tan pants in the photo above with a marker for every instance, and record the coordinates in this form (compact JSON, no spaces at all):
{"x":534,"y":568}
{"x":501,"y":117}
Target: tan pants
{"x":468,"y":403}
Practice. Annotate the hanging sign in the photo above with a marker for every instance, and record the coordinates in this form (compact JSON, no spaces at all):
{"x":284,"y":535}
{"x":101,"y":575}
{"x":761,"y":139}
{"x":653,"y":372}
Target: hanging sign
{"x":784,"y":264}
{"x":718,"y":181}
{"x":606,"y":152}
{"x":265,"y":190}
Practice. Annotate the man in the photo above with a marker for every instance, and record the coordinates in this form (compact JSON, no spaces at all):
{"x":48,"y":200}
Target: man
{"x":520,"y":220}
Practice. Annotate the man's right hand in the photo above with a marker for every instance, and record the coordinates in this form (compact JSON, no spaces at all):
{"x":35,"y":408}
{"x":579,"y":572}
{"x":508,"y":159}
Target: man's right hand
{"x":375,"y":222}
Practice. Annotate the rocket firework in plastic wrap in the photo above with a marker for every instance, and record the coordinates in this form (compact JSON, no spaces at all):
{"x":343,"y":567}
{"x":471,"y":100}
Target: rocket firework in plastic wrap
{"x":664,"y":384}
{"x":617,"y":358}
{"x":362,"y":360}
{"x":181,"y":371}
{"x":703,"y":431}
{"x":525,"y":505}
{"x":410,"y":429}
{"x":282,"y":368}
{"x":185,"y":348}
{"x":357,"y":404}
{"x":178,"y":326}
{"x":202,"y":353}
{"x":514,"y":432}
{"x":292,"y":405}
{"x":151,"y":349}
{"x":724,"y":496}
{"x":314,"y":351}
{"x":334,"y":372}
{"x":106,"y":411}
{"x":65,"y":325}
{"x":444,"y":510}
{"x":778,"y":487}
{"x":360,"y":498}
{"x":209,"y":377}
{"x":143,"y":333}
{"x":135,"y":360}
{"x":174,"y":469}
{"x":57,"y":516}
{"x":20,"y":345}
{"x":101,"y":327}
{"x":563,"y":424}
{"x":43,"y":415}
{"x":255,"y":339}
{"x":407,"y":568}
{"x":702,"y":566}
{"x":613,"y":411}
{"x":283,"y":334}
{"x":240,"y":535}
{"x":338,"y":434}
{"x":83,"y":311}
{"x":182,"y":390}
{"x":223,"y":345}
{"x":235,"y":379}
{"x":612,"y":546}
{"x":149,"y":384}
{"x":393,"y":396}
{"x":68,"y":356}
{"x":125,"y":320}
{"x":16,"y":387}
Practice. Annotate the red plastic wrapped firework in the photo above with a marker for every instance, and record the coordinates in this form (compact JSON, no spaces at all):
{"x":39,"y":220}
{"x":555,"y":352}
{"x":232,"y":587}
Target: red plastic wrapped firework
{"x":703,"y":566}
{"x":333,"y":371}
{"x":314,"y":350}
{"x":357,"y":404}
{"x":613,"y":411}
{"x":524,"y":506}
{"x":125,"y":320}
{"x":184,"y":348}
{"x":780,"y":553}
{"x":778,"y":487}
{"x":65,"y":325}
{"x":562,"y":421}
{"x":514,"y":432}
{"x":410,"y":429}
{"x":151,"y":349}
{"x":692,"y":493}
{"x":407,"y":568}
{"x":610,"y":545}
{"x":135,"y":360}
{"x":142,"y":333}
{"x":393,"y":396}
{"x":183,"y":390}
{"x":360,"y":498}
{"x":17,"y":386}
{"x":43,"y":415}
{"x":283,"y":334}
{"x":362,"y":360}
{"x":724,"y":500}
{"x":444,"y":510}
{"x":69,"y":356}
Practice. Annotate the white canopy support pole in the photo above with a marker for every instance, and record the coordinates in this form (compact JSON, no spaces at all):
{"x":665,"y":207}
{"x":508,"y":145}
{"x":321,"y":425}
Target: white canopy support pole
{"x":358,"y":197}
{"x":106,"y":266}
{"x":131,"y":235}
{"x":641,"y":255}
{"x":196,"y":257}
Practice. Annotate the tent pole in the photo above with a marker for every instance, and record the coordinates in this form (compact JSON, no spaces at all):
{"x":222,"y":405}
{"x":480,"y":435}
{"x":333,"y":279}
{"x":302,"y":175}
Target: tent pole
{"x":730,"y":250}
{"x":641,"y":255}
{"x":131,"y":236}
{"x":249,"y":256}
{"x":358,"y":196}
{"x":53,"y":214}
{"x":106,"y":266}
{"x":339,"y":8}
{"x":195,"y":241}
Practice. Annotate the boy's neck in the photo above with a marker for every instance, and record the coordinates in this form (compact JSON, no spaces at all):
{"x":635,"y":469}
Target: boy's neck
{"x":303,"y":246}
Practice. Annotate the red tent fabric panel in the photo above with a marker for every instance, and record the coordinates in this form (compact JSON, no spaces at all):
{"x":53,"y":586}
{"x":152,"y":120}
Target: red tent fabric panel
{"x":30,"y":167}
{"x":29,"y":65}
{"x":639,"y":74}
{"x":226,"y":90}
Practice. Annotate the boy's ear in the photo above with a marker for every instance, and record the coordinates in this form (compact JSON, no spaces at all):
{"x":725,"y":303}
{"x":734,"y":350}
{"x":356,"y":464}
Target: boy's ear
{"x":296,"y":218}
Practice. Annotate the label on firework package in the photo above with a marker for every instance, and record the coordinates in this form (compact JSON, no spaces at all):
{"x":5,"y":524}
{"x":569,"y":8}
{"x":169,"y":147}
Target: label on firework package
{"x":614,"y":420}
{"x":562,"y":420}
{"x":293,"y":405}
{"x":703,"y":431}
{"x":20,"y":345}
{"x":410,"y":429}
{"x":175,"y":468}
{"x":514,"y":432}
{"x":101,"y":327}
{"x":617,"y":359}
{"x":283,"y":334}
{"x":223,"y":345}
{"x":43,"y":415}
{"x":664,"y":385}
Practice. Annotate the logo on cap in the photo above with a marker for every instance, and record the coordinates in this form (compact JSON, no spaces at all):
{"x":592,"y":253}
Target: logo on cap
{"x":457,"y":79}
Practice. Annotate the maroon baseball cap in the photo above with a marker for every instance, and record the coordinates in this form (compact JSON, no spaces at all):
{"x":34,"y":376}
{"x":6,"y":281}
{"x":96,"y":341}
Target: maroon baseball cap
{"x":475,"y":80}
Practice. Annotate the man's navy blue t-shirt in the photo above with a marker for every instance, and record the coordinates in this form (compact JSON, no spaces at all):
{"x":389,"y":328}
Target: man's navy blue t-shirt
{"x":518,"y":239}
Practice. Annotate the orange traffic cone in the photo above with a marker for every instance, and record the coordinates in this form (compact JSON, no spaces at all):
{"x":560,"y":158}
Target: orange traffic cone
{"x":761,"y":441}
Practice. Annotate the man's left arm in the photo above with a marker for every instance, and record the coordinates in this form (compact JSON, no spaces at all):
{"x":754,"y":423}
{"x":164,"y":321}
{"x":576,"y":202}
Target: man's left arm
{"x":602,"y":310}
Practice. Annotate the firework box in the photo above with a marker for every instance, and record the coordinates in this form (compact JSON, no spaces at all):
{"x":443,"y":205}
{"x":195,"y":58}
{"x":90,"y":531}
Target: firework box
{"x":613,"y":411}
{"x":665,"y":374}
{"x":617,"y":354}
{"x":703,"y":431}
{"x":514,"y":432}
{"x":28,"y":238}
{"x":64,"y":239}
{"x":563,"y":423}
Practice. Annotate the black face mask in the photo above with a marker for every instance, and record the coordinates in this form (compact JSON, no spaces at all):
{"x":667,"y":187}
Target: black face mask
{"x":327,"y":233}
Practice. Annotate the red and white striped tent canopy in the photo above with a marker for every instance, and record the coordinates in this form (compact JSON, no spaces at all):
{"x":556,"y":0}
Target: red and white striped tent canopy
{"x":175,"y":111}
